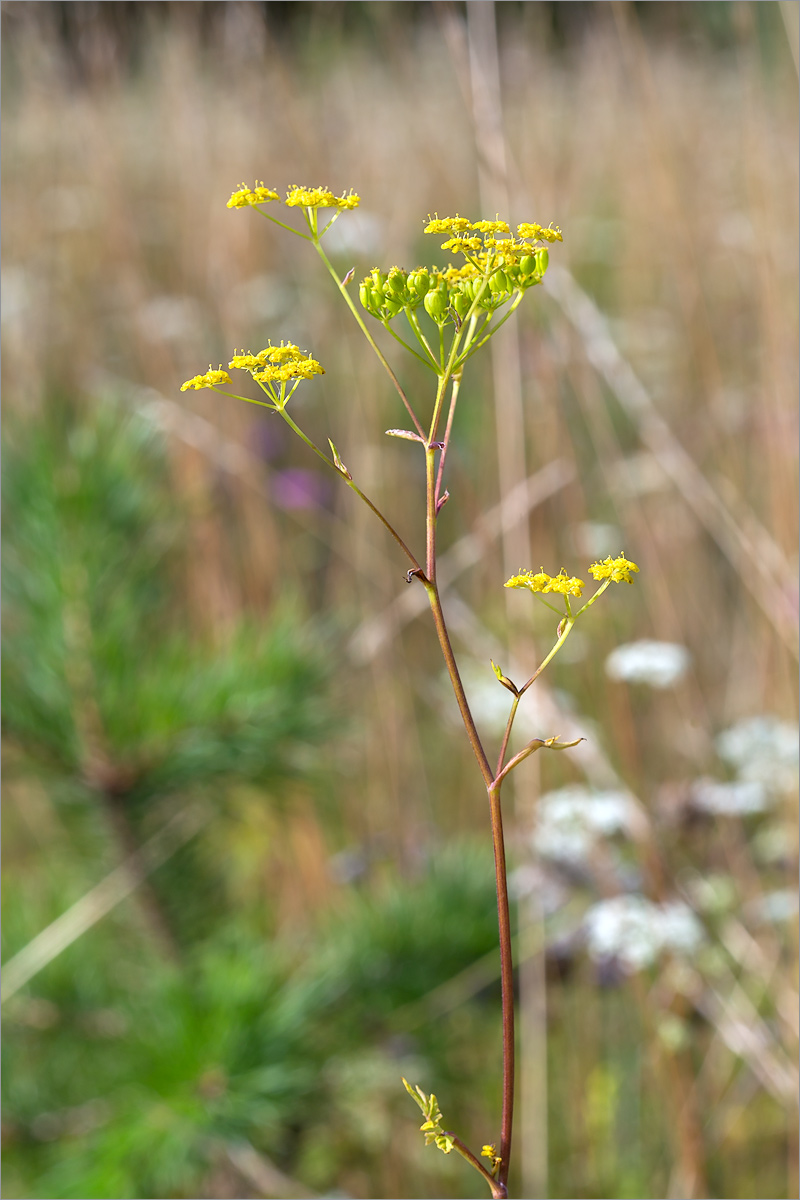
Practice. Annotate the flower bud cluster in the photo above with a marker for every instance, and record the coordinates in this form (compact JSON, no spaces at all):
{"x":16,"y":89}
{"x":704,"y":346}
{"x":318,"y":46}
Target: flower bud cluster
{"x":488,"y":282}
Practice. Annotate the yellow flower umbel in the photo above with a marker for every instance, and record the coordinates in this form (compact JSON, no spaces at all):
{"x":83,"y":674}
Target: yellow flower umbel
{"x":542,"y":582}
{"x":531,"y":230}
{"x":454,"y":224}
{"x":319,"y":197}
{"x":284,"y":364}
{"x":617,"y":570}
{"x":211,"y":379}
{"x":612,"y":570}
{"x":248,"y":196}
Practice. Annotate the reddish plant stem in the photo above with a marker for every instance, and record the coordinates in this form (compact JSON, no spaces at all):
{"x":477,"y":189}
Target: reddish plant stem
{"x":499,"y":1190}
{"x":506,"y":979}
{"x":493,"y":786}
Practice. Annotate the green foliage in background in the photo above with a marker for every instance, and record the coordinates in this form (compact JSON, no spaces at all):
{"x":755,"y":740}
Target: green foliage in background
{"x":99,"y":658}
{"x":150,"y":1075}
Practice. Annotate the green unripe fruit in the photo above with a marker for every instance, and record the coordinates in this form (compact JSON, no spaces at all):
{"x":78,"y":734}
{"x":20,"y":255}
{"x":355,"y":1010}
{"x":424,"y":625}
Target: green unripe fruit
{"x":377,"y":277}
{"x":498,"y":282}
{"x":436,"y":304}
{"x":542,"y":259}
{"x":461,"y":303}
{"x":513,"y":275}
{"x":365,"y":295}
{"x":419,"y":282}
{"x":392,"y":307}
{"x":397,"y":283}
{"x":527,"y":265}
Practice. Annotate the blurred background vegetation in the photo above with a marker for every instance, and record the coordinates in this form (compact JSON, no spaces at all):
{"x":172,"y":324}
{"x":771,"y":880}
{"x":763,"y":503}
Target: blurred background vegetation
{"x":247,"y":877}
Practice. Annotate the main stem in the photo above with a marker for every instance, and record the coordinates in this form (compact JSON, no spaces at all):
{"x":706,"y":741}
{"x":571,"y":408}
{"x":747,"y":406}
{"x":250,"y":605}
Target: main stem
{"x":493,"y":787}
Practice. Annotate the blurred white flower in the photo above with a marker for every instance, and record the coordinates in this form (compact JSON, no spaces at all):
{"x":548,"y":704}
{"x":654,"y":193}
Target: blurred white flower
{"x":681,"y":931}
{"x":529,"y":880}
{"x":734,"y":799}
{"x":635,"y":931}
{"x":763,"y":750}
{"x":569,"y":821}
{"x":781,"y":905}
{"x":658,"y":663}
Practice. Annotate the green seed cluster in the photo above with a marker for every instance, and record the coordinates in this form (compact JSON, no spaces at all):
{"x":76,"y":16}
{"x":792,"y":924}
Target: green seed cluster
{"x":448,"y":295}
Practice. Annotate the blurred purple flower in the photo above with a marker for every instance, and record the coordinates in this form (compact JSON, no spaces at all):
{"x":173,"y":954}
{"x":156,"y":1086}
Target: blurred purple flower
{"x":268,"y":439}
{"x":296,"y":488}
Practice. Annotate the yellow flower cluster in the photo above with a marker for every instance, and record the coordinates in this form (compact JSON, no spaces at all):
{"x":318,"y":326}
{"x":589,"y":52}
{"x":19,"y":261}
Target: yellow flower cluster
{"x":297,"y":368}
{"x":296,"y":197}
{"x":510,"y":248}
{"x":255,"y":195}
{"x":463,"y":245}
{"x":211,"y":379}
{"x":542,"y":582}
{"x":454,"y":224}
{"x":282,"y":363}
{"x":531,"y":229}
{"x":319,"y":197}
{"x":497,"y":226}
{"x":491,"y":1152}
{"x":618,"y":570}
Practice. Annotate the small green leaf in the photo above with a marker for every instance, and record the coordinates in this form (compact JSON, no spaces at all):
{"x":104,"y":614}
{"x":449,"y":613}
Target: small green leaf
{"x":408,"y":434}
{"x":506,"y":682}
{"x":337,"y":462}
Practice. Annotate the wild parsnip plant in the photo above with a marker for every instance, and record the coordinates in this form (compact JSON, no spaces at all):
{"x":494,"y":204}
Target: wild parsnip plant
{"x":450,"y":314}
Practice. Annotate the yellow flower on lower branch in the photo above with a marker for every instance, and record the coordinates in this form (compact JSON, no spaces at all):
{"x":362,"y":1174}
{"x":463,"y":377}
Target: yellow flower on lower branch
{"x":296,"y":368}
{"x":618,"y":570}
{"x":211,"y":379}
{"x":491,"y":1152}
{"x":283,"y":363}
{"x":540,"y":581}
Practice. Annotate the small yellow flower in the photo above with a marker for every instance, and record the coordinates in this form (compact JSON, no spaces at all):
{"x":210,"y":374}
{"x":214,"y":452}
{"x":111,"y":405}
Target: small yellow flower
{"x":248,"y":362}
{"x":457,"y":274}
{"x":567,"y":585}
{"x":531,"y":229}
{"x":211,"y":379}
{"x":284,"y":353}
{"x":491,"y":1152}
{"x":272,"y":357}
{"x":497,"y":226}
{"x":454,"y":224}
{"x":463,"y":245}
{"x":542,"y":582}
{"x":295,"y":365}
{"x":527,"y":579}
{"x":319,"y":197}
{"x":255,"y":195}
{"x":618,"y":570}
